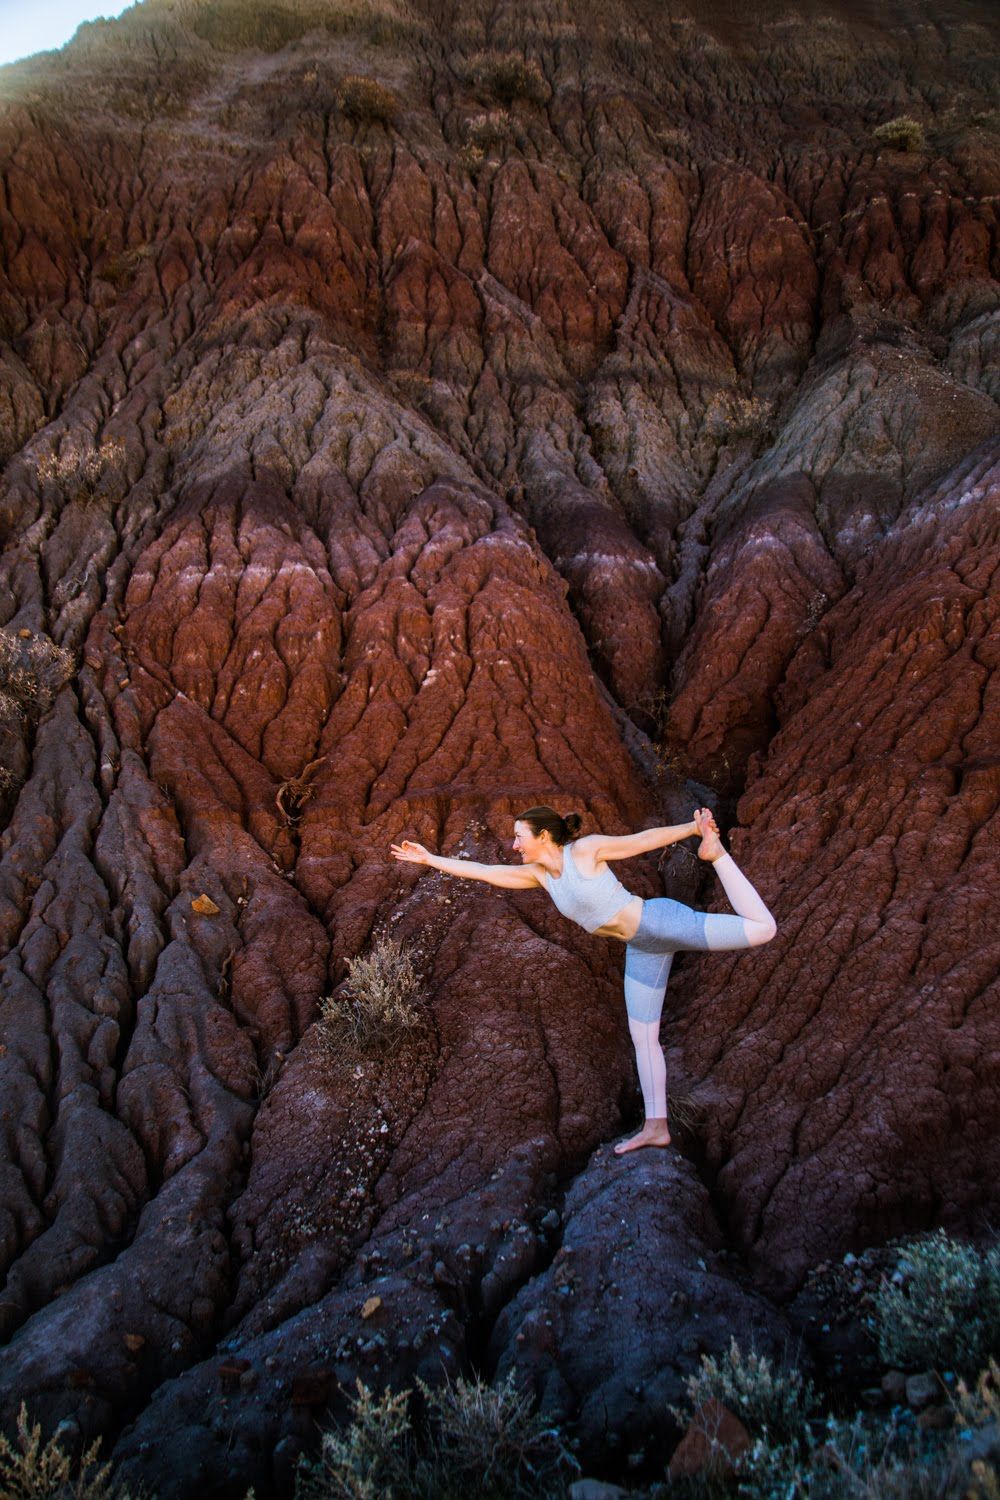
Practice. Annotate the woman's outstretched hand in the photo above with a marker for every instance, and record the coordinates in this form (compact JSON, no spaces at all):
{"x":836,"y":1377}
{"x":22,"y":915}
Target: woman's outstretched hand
{"x":411,"y":853}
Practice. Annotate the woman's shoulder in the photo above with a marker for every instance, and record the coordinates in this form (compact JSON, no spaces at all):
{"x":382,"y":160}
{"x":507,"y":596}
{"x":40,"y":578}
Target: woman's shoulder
{"x":585,"y":853}
{"x":587,"y":844}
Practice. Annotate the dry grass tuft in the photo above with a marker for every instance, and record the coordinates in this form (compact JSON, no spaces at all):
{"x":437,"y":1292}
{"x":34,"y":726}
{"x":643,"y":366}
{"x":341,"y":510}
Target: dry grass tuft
{"x":231,"y":25}
{"x":471,"y":159}
{"x":487,"y":130}
{"x":730,"y":417}
{"x":87,"y":475}
{"x":31,"y":673}
{"x":480,"y":1440}
{"x":487,"y":1439}
{"x":121,"y":269}
{"x":32,"y":670}
{"x":236,"y":25}
{"x":367,"y":102}
{"x":384,"y":1003}
{"x":508,"y":77}
{"x":33,"y":1470}
{"x":674,"y":141}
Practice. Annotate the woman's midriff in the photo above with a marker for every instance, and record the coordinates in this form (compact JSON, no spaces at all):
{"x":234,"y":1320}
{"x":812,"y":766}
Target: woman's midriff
{"x":625,"y":923}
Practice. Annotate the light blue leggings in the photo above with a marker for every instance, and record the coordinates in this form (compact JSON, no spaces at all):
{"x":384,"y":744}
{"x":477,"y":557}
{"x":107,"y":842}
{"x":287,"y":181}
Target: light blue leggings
{"x":668,"y":927}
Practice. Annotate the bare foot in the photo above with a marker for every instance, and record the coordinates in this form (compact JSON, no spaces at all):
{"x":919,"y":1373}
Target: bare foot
{"x":653,"y":1133}
{"x":711,"y":847}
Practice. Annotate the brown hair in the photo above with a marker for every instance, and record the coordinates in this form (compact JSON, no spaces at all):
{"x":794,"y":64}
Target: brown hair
{"x":547,"y":820}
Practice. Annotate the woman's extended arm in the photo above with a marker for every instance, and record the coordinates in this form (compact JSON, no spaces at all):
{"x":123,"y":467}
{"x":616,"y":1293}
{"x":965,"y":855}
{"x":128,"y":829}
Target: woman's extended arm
{"x":607,"y":846}
{"x":508,"y":877}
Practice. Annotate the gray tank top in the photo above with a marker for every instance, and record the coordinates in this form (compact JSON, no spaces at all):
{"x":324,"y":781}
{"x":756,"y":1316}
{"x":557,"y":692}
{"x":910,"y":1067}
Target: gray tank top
{"x":588,"y":901}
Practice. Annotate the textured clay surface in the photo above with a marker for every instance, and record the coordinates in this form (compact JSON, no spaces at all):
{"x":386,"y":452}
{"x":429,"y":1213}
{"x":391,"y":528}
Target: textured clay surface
{"x":375,"y":465}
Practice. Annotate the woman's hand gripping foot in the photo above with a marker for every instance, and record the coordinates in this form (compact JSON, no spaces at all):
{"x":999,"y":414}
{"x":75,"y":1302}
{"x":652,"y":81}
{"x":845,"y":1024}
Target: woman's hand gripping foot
{"x":711,"y":846}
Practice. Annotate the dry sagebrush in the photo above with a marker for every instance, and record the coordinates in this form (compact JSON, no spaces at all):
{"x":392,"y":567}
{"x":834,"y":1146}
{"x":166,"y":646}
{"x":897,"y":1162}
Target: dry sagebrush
{"x":382,"y":1003}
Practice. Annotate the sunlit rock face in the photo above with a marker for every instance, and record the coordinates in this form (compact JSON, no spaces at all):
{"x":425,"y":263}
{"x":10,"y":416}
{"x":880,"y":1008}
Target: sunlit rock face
{"x":409,"y":415}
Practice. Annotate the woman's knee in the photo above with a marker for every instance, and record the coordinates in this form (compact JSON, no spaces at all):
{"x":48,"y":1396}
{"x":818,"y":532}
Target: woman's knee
{"x":760,"y":931}
{"x":644,"y":1010}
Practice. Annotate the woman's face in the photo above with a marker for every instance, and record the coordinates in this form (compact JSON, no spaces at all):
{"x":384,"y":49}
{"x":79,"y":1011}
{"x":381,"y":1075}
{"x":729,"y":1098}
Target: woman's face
{"x":526,"y":843}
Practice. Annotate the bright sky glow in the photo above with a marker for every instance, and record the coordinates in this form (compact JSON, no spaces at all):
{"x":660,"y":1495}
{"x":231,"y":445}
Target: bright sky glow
{"x":28,"y":26}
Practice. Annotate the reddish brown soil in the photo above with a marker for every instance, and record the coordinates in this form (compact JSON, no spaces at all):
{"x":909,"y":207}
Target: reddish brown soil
{"x":633,"y":447}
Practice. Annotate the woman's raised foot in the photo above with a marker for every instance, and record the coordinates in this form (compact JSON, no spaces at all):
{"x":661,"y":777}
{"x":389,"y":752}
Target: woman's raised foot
{"x":711,"y":847}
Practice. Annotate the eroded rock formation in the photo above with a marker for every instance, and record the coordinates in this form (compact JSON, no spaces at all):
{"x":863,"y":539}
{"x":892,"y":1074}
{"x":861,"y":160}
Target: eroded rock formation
{"x":580,"y":403}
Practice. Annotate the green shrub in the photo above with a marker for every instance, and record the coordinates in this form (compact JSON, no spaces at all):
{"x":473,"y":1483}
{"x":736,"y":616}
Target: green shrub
{"x":366,"y":101}
{"x":945,"y":1314}
{"x":767,"y":1399}
{"x":33,"y":1470}
{"x":900,"y":134}
{"x":480,"y":1441}
{"x":862,"y":1457}
{"x":382,"y":1006}
{"x":870,"y":1456}
{"x":508,"y":77}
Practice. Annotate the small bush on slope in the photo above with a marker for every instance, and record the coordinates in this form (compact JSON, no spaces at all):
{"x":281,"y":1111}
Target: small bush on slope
{"x":508,"y":77}
{"x":480,"y":1440}
{"x":900,"y":134}
{"x":33,"y":1470}
{"x":946,"y":1313}
{"x":87,"y":475}
{"x":31,"y":672}
{"x":367,"y":102}
{"x":382,"y":1005}
{"x":766,"y":1398}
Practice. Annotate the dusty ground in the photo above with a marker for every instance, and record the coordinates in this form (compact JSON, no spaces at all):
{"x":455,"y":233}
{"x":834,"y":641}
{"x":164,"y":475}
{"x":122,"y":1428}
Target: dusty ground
{"x":618,"y":432}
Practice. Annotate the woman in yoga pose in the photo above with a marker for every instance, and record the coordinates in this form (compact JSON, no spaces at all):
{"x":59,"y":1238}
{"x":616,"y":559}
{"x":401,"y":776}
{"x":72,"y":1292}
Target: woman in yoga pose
{"x":575,"y":873}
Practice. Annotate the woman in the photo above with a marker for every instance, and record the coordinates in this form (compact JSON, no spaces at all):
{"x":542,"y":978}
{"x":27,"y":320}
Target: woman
{"x":576,"y":875}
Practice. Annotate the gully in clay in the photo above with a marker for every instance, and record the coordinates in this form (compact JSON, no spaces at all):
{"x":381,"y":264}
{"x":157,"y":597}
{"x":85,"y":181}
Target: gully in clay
{"x":577,"y":875}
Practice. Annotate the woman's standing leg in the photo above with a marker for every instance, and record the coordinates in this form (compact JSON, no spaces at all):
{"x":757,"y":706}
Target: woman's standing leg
{"x":668,"y":927}
{"x":646,"y":976}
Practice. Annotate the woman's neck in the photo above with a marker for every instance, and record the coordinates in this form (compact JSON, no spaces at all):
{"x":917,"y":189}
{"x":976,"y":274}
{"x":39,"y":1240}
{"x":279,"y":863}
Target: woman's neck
{"x":552,"y":859}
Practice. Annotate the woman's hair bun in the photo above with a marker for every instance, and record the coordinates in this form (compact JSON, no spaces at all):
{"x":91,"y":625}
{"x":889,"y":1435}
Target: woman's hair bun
{"x":545,"y":819}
